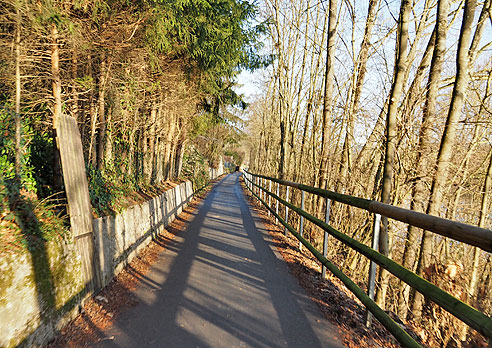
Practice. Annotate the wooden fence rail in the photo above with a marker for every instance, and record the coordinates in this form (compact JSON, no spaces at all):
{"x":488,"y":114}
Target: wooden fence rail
{"x":459,"y":309}
{"x":469,"y":234}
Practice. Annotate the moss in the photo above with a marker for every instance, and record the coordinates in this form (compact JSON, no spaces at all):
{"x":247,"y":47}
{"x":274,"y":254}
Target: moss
{"x":65,"y":273}
{"x":51,"y":271}
{"x":6,"y":280}
{"x":43,"y":277}
{"x":67,"y":280}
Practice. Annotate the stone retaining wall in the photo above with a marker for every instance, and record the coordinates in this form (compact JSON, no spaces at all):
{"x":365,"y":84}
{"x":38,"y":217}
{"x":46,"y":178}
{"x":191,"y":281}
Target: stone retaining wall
{"x":40,"y":289}
{"x":118,"y":238}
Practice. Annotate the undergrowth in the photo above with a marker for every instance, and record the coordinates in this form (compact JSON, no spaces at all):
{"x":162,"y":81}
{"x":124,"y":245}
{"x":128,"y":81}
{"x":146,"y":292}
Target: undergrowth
{"x":27,"y":222}
{"x":195,"y":168}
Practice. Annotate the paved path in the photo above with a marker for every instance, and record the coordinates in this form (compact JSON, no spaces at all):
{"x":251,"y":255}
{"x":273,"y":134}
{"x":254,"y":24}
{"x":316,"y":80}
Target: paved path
{"x":221,"y":284}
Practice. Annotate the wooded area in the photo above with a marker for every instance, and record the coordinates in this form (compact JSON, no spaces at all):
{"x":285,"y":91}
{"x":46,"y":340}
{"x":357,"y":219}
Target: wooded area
{"x":390,"y":102}
{"x":147,"y":82}
{"x":385,"y":101}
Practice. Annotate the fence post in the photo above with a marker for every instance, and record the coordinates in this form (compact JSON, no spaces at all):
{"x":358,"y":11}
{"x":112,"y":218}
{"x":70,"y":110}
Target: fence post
{"x":286,"y":209}
{"x":276,"y":208}
{"x":325,"y":237}
{"x":301,"y":224}
{"x":259,"y":187}
{"x":269,"y":197}
{"x":372,"y":269}
{"x":262,"y":184}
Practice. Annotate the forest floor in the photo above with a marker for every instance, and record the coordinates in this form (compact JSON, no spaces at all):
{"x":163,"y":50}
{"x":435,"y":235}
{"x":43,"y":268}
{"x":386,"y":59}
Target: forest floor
{"x":342,"y":308}
{"x":337,"y":303}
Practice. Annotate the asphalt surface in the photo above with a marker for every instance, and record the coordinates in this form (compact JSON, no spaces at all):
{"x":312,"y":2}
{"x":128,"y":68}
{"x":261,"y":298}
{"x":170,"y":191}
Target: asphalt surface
{"x":221,"y":283}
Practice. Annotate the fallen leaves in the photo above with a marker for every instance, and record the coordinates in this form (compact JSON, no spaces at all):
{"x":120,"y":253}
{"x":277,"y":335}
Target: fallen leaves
{"x":337,"y":303}
{"x":98,"y":312}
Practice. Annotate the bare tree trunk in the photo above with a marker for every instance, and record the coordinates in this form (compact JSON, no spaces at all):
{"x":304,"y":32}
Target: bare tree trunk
{"x":424,"y":148}
{"x":447,"y":141}
{"x":328,"y":96}
{"x":359,"y":75}
{"x":57,"y":108}
{"x":391,"y":133}
{"x":168,"y":147}
{"x":311,"y":98}
{"x":75,"y":95}
{"x":485,"y":15}
{"x":158,"y":159}
{"x":415,"y":90}
{"x":180,"y":148}
{"x":157,"y":174}
{"x":131,"y":144}
{"x":372,"y":140}
{"x":93,"y":120}
{"x":108,"y":151}
{"x":18,"y":120}
{"x":140,"y":151}
{"x":143,"y":151}
{"x":55,"y":71}
{"x":280,"y":77}
{"x":151,"y":170}
{"x":298,"y":85}
{"x":172,"y":160}
{"x":281,"y":164}
{"x":484,"y":211}
{"x":472,"y":288}
{"x":101,"y":111}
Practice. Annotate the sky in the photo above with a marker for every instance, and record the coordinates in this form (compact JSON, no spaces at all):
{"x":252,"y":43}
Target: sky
{"x":248,"y":85}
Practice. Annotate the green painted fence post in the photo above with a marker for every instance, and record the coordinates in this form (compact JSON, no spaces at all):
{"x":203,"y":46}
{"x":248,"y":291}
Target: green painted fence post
{"x":325,"y":237}
{"x":372,"y":270}
{"x":286,"y":209}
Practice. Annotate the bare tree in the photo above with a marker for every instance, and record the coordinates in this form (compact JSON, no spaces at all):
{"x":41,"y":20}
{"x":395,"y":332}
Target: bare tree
{"x":391,"y":133}
{"x":328,"y":95}
{"x":448,"y":140}
{"x":425,"y":140}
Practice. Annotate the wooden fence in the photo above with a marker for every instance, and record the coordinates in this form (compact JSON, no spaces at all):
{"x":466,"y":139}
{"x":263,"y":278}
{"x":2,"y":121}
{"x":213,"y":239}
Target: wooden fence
{"x":462,"y":232}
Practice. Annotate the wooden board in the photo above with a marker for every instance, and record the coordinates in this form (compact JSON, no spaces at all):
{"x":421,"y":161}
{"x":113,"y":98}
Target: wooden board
{"x":77,"y":190}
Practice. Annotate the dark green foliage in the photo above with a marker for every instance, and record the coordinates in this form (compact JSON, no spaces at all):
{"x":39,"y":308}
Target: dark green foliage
{"x":106,"y":188}
{"x":43,"y":149}
{"x":206,"y":41}
{"x":195,"y":168}
{"x":236,"y":156}
{"x":29,"y":220}
{"x":100,"y":190}
{"x":37,"y":154}
{"x":217,"y":37}
{"x":7,"y":150}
